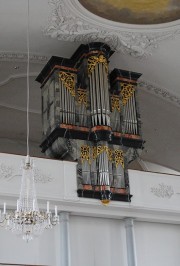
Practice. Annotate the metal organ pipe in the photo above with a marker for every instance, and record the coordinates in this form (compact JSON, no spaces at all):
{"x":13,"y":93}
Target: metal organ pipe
{"x":98,"y":81}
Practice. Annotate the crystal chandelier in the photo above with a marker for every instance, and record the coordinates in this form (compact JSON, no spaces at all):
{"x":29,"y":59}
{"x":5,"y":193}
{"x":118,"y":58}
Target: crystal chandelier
{"x":27,"y":221}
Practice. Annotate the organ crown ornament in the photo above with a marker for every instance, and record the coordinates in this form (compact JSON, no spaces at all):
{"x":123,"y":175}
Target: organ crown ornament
{"x":91,"y":116}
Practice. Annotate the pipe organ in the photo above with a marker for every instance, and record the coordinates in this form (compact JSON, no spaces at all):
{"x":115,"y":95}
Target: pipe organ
{"x":91,"y":116}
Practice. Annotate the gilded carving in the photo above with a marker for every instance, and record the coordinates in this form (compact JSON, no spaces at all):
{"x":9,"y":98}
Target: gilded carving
{"x":82,"y":97}
{"x":85,"y":153}
{"x":68,"y":80}
{"x":115,"y":103}
{"x":94,"y":153}
{"x":127,"y":91}
{"x":94,"y":60}
{"x":119,"y":158}
{"x":101,"y":149}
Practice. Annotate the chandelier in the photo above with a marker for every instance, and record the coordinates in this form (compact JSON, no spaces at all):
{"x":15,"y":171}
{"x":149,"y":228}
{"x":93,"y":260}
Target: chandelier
{"x":28,"y":221}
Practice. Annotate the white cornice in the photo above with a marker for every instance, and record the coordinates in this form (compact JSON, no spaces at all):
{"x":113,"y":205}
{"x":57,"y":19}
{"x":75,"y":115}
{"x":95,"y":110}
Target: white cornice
{"x":143,"y":84}
{"x":22,"y":57}
{"x":70,"y":21}
{"x":161,"y":92}
{"x":17,"y":76}
{"x":18,"y":108}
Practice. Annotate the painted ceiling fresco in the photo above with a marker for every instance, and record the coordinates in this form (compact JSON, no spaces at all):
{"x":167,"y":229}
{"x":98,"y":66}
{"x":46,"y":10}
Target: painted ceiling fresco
{"x":135,"y":11}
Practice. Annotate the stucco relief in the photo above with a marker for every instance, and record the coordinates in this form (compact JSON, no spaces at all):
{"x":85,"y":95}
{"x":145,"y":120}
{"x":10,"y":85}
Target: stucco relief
{"x":162,"y":92}
{"x":8,"y":173}
{"x":163,"y":191}
{"x":22,"y":57}
{"x":68,"y":23}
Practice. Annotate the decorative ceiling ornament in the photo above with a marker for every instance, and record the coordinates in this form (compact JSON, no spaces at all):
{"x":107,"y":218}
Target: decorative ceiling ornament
{"x":70,"y":21}
{"x":22,"y":57}
{"x":157,"y":90}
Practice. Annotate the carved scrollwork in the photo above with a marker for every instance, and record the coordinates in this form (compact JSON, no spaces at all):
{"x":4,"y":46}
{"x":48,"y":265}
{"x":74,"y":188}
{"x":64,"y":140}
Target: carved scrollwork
{"x":68,"y":79}
{"x":115,"y":103}
{"x":127,"y":91}
{"x":119,"y":158}
{"x":94,"y":60}
{"x":82,"y":97}
{"x":85,"y":153}
{"x":94,"y":152}
{"x":106,"y":149}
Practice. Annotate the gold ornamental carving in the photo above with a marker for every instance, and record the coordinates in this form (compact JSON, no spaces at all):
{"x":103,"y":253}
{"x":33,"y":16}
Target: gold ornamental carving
{"x":94,"y":60}
{"x":109,"y":152}
{"x":85,"y":153}
{"x":115,"y":103}
{"x":94,"y":153}
{"x":127,"y":91}
{"x":82,"y":97}
{"x":68,"y":80}
{"x":118,"y":158}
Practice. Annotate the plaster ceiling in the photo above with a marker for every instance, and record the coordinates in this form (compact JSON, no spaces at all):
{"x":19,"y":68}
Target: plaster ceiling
{"x":159,"y":92}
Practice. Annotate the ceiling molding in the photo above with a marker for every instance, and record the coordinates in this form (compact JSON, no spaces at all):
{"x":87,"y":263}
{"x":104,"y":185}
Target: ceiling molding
{"x":22,"y":57}
{"x":18,"y":108}
{"x":161,"y":92}
{"x":144,"y":84}
{"x":17,"y":76}
{"x":70,"y":21}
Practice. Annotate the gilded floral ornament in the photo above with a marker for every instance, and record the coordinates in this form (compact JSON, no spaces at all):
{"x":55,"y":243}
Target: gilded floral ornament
{"x":82,"y":97}
{"x":94,"y":60}
{"x":68,"y":80}
{"x":119,"y":158}
{"x":115,"y":103}
{"x":127,"y":90}
{"x":85,"y":153}
{"x":106,"y":149}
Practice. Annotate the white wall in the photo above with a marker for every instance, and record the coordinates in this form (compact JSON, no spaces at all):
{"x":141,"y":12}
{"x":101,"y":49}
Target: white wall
{"x":157,"y":244}
{"x":97,"y":232}
{"x":97,"y":241}
{"x":40,"y":251}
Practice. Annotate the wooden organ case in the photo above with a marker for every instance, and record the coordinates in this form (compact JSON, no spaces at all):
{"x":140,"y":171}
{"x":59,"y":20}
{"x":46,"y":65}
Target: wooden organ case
{"x":91,"y":116}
